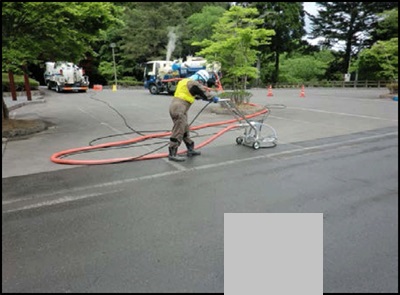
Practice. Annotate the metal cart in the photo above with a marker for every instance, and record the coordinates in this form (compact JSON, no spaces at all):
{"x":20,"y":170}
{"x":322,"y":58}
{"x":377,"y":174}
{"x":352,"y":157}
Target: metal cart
{"x":252,"y":128}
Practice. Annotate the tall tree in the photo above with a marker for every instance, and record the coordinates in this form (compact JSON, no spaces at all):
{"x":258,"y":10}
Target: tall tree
{"x":148,"y":24}
{"x":287,"y":20}
{"x":149,"y":31}
{"x":380,"y":62}
{"x":200,"y":25}
{"x":298,"y":68}
{"x":388,"y":26}
{"x":33,"y":32}
{"x":348,"y":22}
{"x":234,"y":44}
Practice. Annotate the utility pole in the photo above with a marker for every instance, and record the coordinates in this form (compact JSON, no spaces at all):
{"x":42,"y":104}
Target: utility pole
{"x":112,"y":45}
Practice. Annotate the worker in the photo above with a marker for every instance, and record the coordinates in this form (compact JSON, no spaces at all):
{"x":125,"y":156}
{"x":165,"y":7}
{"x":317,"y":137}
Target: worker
{"x":187,"y":91}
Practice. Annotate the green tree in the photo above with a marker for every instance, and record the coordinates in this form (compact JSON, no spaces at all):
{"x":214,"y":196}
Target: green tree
{"x":380,"y":62}
{"x":348,"y":22}
{"x":305,"y":68}
{"x":34,"y":32}
{"x":145,"y":36}
{"x":234,"y":44}
{"x":287,"y":20}
{"x":200,"y":25}
{"x":190,"y":8}
{"x":388,"y":27}
{"x":152,"y":31}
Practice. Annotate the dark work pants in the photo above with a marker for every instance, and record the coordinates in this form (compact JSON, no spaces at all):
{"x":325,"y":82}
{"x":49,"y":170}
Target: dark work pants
{"x":178,"y":111}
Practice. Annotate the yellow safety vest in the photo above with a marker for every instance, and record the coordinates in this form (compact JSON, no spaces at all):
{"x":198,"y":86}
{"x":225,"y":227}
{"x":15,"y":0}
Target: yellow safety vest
{"x":182,"y":91}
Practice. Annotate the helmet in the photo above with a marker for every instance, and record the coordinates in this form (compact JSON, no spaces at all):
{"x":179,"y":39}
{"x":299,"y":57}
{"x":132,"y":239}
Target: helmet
{"x":202,"y":75}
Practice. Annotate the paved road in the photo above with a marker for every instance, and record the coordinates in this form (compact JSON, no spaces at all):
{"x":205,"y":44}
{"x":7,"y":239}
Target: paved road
{"x":157,"y":226}
{"x":79,"y":118}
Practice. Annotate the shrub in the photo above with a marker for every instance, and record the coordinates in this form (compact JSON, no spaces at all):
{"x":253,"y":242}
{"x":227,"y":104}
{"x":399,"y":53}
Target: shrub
{"x":126,"y":82}
{"x":238,"y":97}
{"x":19,"y":83}
{"x":393,"y":88}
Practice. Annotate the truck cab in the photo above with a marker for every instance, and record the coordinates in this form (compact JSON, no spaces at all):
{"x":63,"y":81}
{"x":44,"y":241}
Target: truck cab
{"x":155,"y":72}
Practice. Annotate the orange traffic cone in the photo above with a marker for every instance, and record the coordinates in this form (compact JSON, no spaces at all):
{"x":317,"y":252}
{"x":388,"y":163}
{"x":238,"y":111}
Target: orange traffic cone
{"x":302,"y":94}
{"x":97,"y":87}
{"x":270,"y":91}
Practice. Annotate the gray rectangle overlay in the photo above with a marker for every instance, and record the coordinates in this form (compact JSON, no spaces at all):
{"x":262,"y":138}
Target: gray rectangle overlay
{"x":273,"y":253}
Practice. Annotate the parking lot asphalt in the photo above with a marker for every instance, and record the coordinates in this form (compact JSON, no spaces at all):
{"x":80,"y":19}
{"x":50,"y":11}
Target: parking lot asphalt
{"x":76,"y":119}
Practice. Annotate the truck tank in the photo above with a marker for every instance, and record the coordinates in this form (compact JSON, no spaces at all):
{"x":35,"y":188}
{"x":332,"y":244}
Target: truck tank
{"x":65,"y":76}
{"x":163,"y":76}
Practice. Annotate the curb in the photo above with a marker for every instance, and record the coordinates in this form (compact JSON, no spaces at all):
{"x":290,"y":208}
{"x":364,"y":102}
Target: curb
{"x":39,"y":99}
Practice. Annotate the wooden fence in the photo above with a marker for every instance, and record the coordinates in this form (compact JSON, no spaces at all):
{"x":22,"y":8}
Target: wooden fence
{"x":344,"y":84}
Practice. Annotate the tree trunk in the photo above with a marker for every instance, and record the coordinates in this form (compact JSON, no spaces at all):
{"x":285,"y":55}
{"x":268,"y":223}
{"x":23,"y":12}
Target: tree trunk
{"x":4,"y":109}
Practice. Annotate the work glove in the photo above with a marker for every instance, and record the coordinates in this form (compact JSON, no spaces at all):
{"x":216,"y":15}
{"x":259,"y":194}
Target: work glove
{"x":215,"y":99}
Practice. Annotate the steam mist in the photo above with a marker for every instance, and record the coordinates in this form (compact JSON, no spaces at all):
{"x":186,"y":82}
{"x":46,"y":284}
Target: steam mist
{"x":171,"y":42}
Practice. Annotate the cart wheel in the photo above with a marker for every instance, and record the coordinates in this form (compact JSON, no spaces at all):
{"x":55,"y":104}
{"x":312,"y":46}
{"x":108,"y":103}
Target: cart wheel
{"x":239,"y":140}
{"x":256,"y":145}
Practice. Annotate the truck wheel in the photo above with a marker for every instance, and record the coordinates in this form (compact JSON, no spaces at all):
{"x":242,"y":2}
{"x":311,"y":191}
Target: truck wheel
{"x":58,"y":89}
{"x":153,"y":89}
{"x":171,"y":87}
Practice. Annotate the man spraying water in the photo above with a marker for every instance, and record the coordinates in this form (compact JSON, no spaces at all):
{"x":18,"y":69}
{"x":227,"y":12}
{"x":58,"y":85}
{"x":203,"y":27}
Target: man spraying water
{"x":187,"y":91}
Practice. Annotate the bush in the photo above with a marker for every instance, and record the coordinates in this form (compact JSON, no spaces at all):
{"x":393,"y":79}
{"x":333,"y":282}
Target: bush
{"x":238,"y":97}
{"x":393,"y":88}
{"x":19,"y":83}
{"x":126,"y":82}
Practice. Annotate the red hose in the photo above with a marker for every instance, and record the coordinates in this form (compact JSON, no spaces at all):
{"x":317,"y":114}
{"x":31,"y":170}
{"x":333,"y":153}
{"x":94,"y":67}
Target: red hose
{"x":56,"y":157}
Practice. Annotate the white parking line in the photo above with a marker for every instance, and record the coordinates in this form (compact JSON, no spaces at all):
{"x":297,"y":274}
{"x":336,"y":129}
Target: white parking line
{"x":343,"y":114}
{"x":180,"y":168}
{"x":62,"y":200}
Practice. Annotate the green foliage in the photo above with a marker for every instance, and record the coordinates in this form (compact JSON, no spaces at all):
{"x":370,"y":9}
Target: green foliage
{"x":389,"y":26}
{"x":287,"y":20}
{"x":308,"y":68}
{"x":393,"y":88}
{"x":34,"y":32}
{"x":19,"y":82}
{"x":233,"y":44}
{"x":237,"y":96}
{"x":239,"y":38}
{"x":106,"y":69}
{"x":380,"y":62}
{"x":348,"y":22}
{"x":201,"y":24}
{"x":145,"y":36}
{"x":127,"y":82}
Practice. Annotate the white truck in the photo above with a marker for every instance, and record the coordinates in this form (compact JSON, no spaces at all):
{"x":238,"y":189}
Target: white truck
{"x":163,"y":76}
{"x":65,"y":76}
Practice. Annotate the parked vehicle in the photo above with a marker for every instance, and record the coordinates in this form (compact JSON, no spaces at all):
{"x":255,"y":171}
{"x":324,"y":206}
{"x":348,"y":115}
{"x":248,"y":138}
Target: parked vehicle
{"x":163,"y":76}
{"x":65,"y":76}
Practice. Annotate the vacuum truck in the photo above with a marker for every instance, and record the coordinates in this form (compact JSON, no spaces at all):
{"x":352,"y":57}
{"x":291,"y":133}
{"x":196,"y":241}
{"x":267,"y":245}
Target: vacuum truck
{"x":163,"y":76}
{"x":65,"y":76}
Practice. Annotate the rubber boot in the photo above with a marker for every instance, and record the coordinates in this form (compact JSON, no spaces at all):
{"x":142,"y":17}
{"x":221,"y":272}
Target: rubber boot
{"x":190,"y":150}
{"x":173,"y":156}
